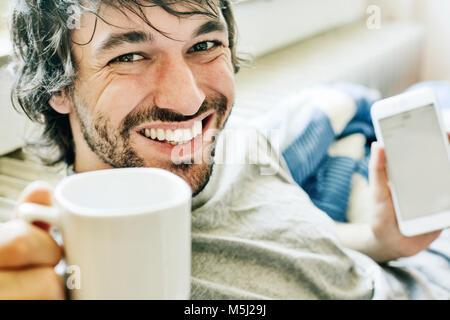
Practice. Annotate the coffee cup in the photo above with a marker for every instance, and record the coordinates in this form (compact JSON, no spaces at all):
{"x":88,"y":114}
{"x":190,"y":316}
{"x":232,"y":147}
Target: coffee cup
{"x":125,"y":231}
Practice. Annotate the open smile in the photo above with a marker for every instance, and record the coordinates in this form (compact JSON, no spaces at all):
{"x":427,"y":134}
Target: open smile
{"x":189,"y":135}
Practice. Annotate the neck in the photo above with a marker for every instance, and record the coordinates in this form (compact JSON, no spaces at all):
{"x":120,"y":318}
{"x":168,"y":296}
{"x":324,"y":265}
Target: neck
{"x":86,"y":164}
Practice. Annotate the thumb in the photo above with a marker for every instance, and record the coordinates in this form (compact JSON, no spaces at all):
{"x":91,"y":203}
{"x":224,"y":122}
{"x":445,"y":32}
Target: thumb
{"x":378,"y":173}
{"x":39,"y":192}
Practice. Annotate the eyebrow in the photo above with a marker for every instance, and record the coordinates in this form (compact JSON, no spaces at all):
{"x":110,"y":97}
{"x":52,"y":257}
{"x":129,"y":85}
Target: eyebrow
{"x":209,"y":27}
{"x":118,"y":39}
{"x":134,"y":37}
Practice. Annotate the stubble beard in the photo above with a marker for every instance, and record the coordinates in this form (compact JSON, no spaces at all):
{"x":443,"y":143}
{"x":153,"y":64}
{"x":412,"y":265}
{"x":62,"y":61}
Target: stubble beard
{"x":114,"y":148}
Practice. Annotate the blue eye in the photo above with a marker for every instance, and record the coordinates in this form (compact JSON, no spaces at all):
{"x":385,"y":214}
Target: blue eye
{"x":205,"y":46}
{"x":128,"y":58}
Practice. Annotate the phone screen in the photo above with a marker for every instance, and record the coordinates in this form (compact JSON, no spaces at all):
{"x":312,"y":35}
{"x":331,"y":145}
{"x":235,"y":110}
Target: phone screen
{"x":418,"y":164}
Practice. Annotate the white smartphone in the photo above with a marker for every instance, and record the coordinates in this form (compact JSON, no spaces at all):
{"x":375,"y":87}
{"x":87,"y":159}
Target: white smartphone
{"x":410,"y":128}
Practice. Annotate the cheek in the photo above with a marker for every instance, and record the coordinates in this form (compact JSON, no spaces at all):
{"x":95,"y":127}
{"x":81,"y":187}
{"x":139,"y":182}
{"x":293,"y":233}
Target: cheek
{"x":120,"y":97}
{"x":217,"y":76}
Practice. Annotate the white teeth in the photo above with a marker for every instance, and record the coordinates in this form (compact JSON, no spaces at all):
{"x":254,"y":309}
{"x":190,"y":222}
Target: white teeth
{"x":197,"y":128}
{"x":169,"y":135}
{"x":187,"y":134}
{"x":160,"y":134}
{"x":177,"y":136}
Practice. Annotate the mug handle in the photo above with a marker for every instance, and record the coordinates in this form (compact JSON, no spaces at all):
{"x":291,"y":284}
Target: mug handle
{"x":32,"y":212}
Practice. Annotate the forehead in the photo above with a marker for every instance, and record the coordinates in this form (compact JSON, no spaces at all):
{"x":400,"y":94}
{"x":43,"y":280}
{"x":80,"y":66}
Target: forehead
{"x":153,"y":19}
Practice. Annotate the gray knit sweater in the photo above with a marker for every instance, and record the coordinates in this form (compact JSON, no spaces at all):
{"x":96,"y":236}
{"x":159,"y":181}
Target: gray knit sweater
{"x":257,"y":235}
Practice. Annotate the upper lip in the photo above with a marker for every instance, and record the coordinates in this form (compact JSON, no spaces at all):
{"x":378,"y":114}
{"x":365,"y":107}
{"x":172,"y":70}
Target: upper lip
{"x":174,"y":125}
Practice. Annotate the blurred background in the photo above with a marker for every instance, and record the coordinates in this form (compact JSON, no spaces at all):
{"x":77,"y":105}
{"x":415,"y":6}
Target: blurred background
{"x":271,"y":24}
{"x":384,"y":44}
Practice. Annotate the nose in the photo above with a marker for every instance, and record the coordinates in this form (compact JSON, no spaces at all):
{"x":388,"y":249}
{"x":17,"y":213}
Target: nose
{"x":177,"y":88}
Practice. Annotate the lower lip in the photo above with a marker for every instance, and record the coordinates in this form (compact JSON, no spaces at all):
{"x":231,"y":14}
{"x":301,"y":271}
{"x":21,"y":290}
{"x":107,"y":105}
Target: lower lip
{"x":191,"y":147}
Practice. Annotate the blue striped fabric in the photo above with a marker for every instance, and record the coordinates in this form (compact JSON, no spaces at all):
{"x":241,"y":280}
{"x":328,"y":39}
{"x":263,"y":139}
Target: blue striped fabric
{"x":306,"y":153}
{"x":325,"y":178}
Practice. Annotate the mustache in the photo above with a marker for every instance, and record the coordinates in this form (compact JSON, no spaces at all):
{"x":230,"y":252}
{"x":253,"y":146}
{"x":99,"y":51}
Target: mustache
{"x":136,"y":118}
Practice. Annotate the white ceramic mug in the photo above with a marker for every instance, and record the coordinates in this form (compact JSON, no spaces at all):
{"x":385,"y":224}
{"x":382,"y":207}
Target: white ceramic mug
{"x":127,"y":231}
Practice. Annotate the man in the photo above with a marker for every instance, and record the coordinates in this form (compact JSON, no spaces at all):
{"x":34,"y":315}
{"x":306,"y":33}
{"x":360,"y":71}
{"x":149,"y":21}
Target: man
{"x":132,"y":81}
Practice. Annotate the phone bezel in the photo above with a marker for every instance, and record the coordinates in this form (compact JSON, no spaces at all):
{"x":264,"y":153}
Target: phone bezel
{"x":395,"y":105}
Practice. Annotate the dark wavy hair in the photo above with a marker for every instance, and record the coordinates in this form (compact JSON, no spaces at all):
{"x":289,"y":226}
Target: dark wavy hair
{"x":44,"y":64}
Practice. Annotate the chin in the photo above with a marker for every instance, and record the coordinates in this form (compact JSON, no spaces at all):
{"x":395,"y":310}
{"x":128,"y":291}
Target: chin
{"x":196,"y":175}
{"x":195,"y":165}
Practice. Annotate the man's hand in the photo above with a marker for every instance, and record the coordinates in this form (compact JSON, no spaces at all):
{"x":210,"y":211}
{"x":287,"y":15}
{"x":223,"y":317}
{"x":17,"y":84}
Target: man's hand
{"x":388,"y":242}
{"x":28,"y":255}
{"x":381,"y":239}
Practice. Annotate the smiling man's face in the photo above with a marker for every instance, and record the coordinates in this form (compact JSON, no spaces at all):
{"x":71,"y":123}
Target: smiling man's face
{"x":145,"y":99}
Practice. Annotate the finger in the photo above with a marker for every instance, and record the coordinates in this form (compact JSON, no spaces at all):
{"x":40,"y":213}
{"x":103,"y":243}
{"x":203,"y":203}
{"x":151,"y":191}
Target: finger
{"x":448,"y":135}
{"x":428,"y":237}
{"x":22,"y":244}
{"x":39,"y":192}
{"x":31,"y":284}
{"x":419,"y":243}
{"x":378,"y":173}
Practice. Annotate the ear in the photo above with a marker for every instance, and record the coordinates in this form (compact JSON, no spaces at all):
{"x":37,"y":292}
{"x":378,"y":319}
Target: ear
{"x":61,"y":103}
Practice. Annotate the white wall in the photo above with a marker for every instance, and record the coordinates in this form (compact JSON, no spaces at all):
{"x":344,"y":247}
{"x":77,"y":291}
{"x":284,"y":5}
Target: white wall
{"x":5,"y":46}
{"x":4,"y":7}
{"x":12,"y":125}
{"x":435,"y":15}
{"x":266,"y":25}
